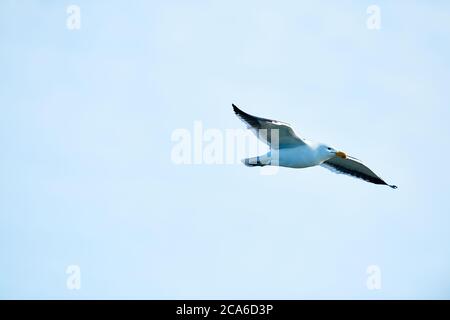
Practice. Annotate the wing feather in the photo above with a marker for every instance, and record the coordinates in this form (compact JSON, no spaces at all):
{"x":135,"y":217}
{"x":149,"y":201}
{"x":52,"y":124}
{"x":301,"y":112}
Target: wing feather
{"x":262,"y":128}
{"x":355,"y":168}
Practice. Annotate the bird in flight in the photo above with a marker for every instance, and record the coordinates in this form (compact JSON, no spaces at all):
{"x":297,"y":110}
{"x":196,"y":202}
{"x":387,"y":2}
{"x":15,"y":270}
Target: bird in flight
{"x":289,"y":150}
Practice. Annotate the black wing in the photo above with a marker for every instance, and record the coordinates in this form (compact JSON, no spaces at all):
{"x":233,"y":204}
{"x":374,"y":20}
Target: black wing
{"x":354,"y":168}
{"x":262,"y":128}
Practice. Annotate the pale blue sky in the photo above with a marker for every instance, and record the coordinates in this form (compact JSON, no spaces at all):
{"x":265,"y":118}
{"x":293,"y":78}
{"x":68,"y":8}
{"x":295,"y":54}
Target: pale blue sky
{"x":86,"y":176}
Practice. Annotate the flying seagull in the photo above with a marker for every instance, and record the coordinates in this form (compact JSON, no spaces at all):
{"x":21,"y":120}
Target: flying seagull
{"x":289,"y":150}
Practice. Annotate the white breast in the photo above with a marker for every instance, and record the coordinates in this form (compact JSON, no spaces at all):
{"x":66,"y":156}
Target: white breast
{"x":299,"y":157}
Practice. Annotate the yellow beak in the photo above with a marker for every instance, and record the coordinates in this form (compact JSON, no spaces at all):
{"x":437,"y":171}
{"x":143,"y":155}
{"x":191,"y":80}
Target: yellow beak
{"x":341,"y":154}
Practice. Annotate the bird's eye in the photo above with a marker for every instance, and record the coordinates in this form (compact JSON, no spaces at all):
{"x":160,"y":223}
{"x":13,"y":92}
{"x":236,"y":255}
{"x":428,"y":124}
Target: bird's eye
{"x":329,"y":149}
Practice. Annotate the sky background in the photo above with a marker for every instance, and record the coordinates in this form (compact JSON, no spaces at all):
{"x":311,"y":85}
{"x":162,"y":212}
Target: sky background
{"x":86,"y":177}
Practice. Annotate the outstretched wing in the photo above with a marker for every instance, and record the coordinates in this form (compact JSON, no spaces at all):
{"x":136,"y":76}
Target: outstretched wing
{"x":262,"y":128}
{"x":354,"y":168}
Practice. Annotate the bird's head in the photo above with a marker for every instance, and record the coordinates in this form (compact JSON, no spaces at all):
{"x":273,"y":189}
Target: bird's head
{"x":326,"y":152}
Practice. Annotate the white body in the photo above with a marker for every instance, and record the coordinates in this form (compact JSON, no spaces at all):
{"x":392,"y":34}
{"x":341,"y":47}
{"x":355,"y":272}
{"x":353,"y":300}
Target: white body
{"x":302,"y":156}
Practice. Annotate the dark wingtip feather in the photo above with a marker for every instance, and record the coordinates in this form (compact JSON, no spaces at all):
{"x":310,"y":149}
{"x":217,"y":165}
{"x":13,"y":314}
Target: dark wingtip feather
{"x":393,"y":186}
{"x":250,"y":120}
